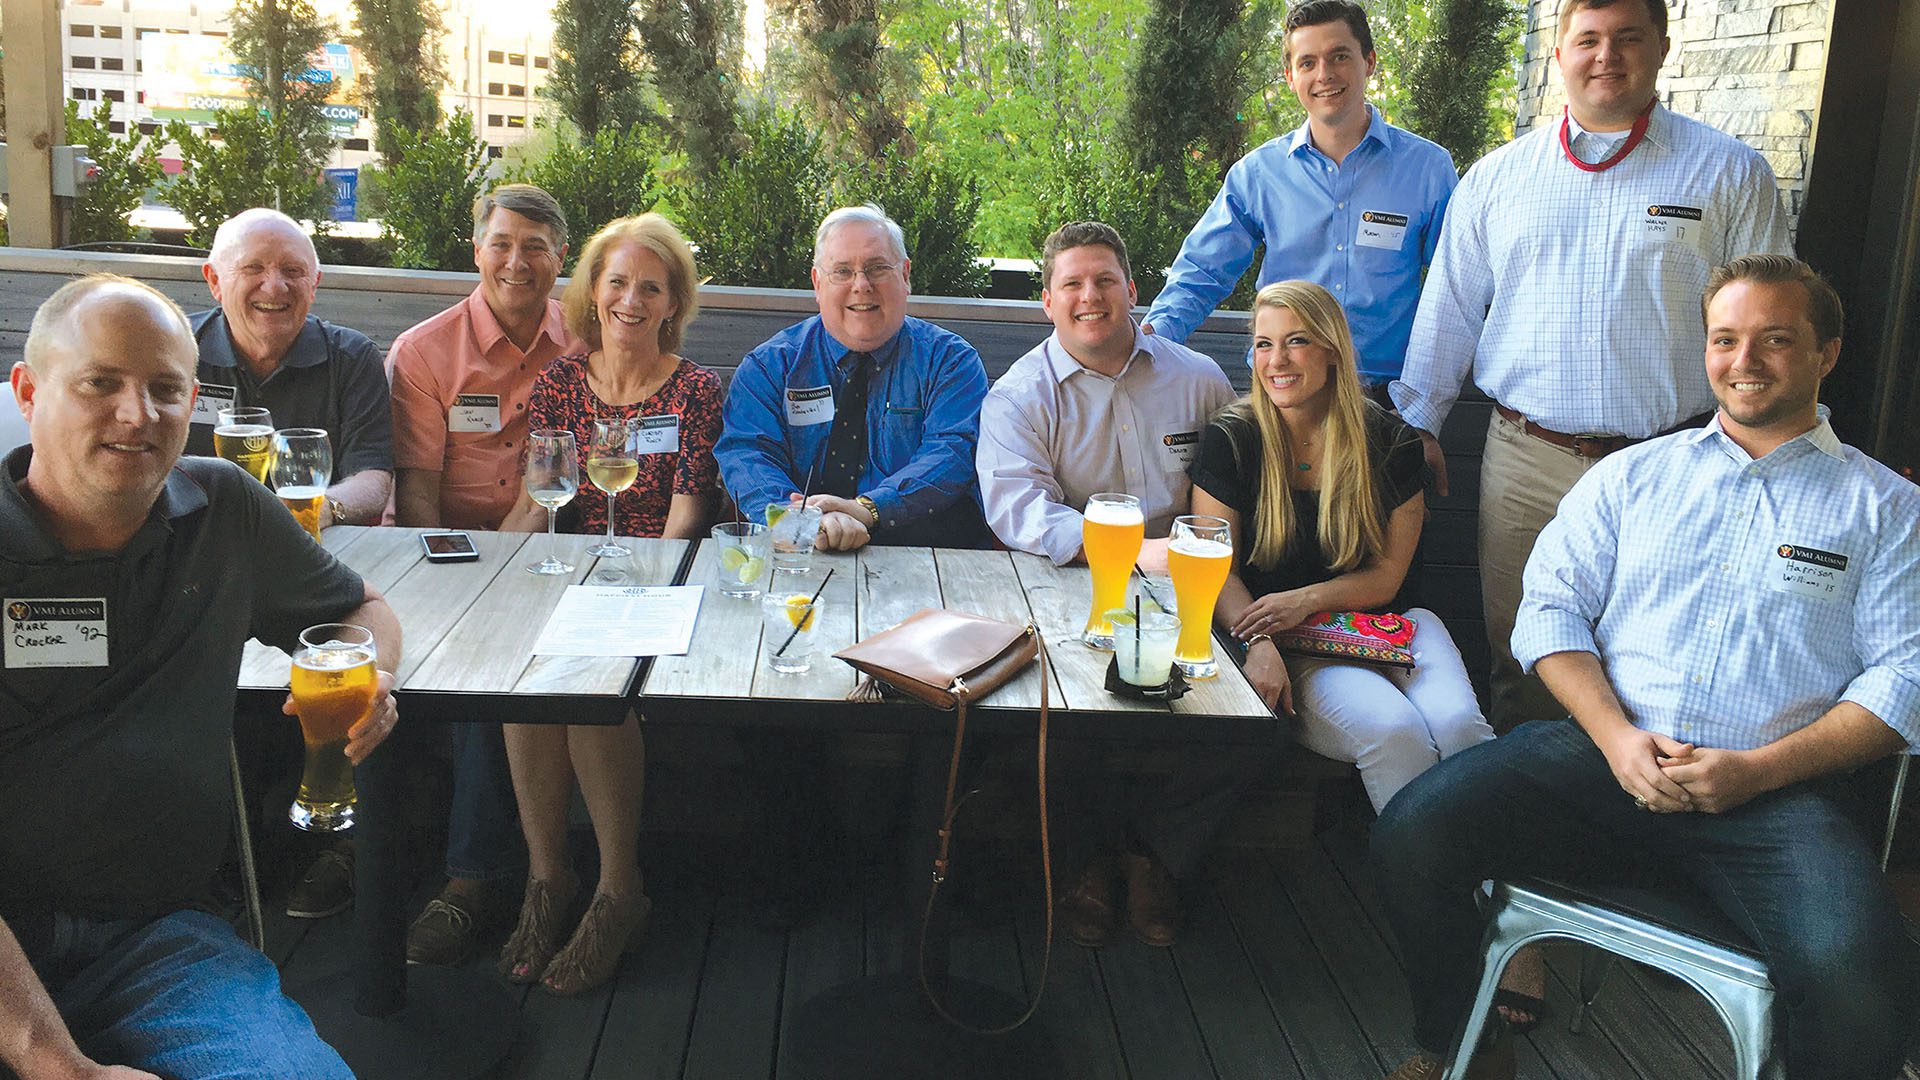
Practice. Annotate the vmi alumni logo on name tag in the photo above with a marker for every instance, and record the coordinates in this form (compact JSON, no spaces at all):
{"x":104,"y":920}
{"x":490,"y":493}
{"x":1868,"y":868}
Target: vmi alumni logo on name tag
{"x":809,"y":405}
{"x":1379,"y":229}
{"x":474,"y":412}
{"x":1179,"y":447}
{"x":212,"y":398}
{"x":1669,"y":224}
{"x":1805,"y":571}
{"x":56,"y":633}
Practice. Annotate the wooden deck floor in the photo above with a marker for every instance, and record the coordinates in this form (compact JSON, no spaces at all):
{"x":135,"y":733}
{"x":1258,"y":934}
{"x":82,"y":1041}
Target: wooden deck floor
{"x":1283,"y":971}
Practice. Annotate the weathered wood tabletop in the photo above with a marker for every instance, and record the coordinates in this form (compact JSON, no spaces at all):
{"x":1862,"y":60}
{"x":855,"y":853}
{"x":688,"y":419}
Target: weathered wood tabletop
{"x":875,"y":588}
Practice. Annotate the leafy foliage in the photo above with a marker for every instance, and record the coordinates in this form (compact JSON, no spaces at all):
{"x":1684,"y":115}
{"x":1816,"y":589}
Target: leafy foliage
{"x":694,"y":46}
{"x":598,"y":178}
{"x":428,"y":190}
{"x":273,"y":42}
{"x":1197,"y":64}
{"x":936,"y":207}
{"x":401,"y":41}
{"x":241,"y":163}
{"x":128,"y":167}
{"x":1100,"y":185}
{"x":753,"y":218}
{"x":1460,"y":66}
{"x":845,"y":69}
{"x":596,"y":82}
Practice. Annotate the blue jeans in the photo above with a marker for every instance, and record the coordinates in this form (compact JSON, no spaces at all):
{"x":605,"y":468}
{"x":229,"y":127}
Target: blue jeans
{"x":483,"y":834}
{"x":1792,"y":868}
{"x":180,"y":996}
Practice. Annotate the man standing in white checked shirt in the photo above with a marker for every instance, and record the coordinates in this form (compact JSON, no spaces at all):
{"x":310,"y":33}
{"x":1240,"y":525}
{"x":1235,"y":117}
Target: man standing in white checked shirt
{"x":1568,"y":282}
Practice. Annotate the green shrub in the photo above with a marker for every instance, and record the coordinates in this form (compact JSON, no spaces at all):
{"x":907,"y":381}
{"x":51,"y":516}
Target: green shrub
{"x":128,"y":167}
{"x":753,"y":218}
{"x":427,"y":193}
{"x":1099,"y":184}
{"x":611,"y":175}
{"x":241,"y":164}
{"x":936,"y":205}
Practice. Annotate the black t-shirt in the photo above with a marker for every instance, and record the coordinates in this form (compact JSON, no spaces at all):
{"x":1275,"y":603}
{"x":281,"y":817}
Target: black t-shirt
{"x":114,"y":795}
{"x":332,"y":378}
{"x":1227,"y":467}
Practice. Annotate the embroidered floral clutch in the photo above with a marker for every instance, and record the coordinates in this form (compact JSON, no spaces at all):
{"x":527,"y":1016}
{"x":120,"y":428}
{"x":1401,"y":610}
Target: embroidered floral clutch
{"x":1351,"y":635}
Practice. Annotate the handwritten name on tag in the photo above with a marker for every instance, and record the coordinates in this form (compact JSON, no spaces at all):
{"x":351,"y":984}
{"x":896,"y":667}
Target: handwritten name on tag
{"x":1809,"y":572}
{"x":1669,"y":224}
{"x":809,"y":405}
{"x":474,"y":412}
{"x":1177,"y":448}
{"x":56,"y":633}
{"x":1380,"y":229}
{"x":213,"y":397}
{"x":656,"y":434}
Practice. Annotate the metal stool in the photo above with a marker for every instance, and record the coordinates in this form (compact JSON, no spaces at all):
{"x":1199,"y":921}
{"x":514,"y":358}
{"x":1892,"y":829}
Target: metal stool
{"x":1684,"y":936}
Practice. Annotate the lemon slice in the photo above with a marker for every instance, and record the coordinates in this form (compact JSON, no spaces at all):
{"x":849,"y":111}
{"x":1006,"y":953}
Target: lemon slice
{"x":799,"y":613}
{"x":731,"y":558}
{"x":750,"y":568}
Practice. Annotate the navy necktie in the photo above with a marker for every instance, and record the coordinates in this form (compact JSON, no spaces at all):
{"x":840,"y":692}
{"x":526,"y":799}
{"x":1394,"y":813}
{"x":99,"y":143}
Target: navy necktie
{"x":847,"y":442}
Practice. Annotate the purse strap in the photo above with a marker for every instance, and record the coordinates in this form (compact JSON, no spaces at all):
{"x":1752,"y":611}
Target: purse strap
{"x":940,"y":861}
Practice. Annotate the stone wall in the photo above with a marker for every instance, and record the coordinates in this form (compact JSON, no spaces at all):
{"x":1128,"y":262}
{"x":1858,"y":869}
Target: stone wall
{"x":1752,"y":68}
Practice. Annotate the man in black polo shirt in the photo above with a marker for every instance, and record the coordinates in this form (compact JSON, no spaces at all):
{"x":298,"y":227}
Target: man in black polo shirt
{"x":260,"y":347}
{"x":130,"y":578}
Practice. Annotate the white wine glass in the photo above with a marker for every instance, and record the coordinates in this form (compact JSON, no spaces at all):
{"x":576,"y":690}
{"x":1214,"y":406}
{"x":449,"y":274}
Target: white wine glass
{"x":613,"y":467}
{"x":553,"y":475}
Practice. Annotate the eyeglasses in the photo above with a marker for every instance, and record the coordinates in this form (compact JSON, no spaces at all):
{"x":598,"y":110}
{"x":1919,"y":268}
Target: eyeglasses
{"x":876,"y":273}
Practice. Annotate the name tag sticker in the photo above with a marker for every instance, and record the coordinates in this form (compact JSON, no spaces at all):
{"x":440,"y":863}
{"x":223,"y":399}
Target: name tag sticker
{"x":657,"y":434}
{"x":474,"y":412}
{"x":1669,"y":224}
{"x":1380,"y":229}
{"x":1177,"y":448}
{"x":1809,"y":572}
{"x":56,"y":633}
{"x":809,"y":405}
{"x":213,"y":398}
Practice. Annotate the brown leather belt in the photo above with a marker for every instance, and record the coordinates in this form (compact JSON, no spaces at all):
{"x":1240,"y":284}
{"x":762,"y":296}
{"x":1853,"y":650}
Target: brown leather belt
{"x":1591,"y":447}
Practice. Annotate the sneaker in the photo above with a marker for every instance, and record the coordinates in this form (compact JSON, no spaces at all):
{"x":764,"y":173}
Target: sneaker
{"x":327,"y":886}
{"x":450,"y":928}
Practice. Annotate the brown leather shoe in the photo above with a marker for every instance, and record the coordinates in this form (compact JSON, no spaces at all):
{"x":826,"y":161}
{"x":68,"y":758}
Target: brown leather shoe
{"x":1086,"y":911}
{"x":1153,"y":901}
{"x":1493,"y":1062}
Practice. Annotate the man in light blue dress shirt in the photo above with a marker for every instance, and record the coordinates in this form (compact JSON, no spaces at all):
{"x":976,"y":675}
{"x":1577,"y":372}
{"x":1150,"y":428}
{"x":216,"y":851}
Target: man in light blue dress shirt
{"x":1728,"y":615}
{"x":1347,"y":201}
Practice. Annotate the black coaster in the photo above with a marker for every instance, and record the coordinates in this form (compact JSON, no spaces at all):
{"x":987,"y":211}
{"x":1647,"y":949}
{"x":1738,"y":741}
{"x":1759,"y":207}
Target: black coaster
{"x":1172,"y":690}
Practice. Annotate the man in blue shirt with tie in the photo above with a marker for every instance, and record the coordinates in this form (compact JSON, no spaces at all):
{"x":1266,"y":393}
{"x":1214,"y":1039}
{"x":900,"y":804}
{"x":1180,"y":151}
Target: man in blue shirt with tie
{"x":1727,"y":614}
{"x":869,"y":413}
{"x":1347,"y":201}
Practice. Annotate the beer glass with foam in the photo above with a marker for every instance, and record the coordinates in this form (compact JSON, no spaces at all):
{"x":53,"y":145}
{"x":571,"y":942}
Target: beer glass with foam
{"x":334,"y":684}
{"x":1110,"y":534}
{"x":1198,"y":558}
{"x":244,"y":436}
{"x":302,"y":469}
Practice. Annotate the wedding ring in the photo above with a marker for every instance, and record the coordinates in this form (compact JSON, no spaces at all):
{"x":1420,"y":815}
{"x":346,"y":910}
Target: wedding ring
{"x":1641,"y":803}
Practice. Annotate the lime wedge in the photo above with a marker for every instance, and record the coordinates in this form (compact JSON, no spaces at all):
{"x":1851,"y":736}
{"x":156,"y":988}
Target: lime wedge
{"x":776,"y":511}
{"x":731,"y":558}
{"x":750,"y":569}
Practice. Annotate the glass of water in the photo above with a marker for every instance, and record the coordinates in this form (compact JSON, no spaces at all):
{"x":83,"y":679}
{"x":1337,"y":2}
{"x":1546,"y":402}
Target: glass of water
{"x":787,"y":625}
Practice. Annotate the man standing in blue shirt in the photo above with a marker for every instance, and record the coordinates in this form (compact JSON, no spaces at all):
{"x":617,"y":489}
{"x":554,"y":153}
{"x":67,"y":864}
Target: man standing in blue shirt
{"x":1347,"y":201}
{"x":869,"y":413}
{"x":1727,"y":614}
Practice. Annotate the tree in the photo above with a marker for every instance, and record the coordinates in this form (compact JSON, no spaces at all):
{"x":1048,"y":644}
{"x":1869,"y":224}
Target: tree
{"x":273,"y":43}
{"x":429,"y":187}
{"x":753,"y":219}
{"x":1197,"y":64}
{"x":1458,"y":73}
{"x":853,"y":79}
{"x":936,"y":207}
{"x":401,"y":41}
{"x":694,"y":46}
{"x":1099,"y":183}
{"x":597,"y":179}
{"x":242,"y":162}
{"x":128,"y":167}
{"x":596,"y":82}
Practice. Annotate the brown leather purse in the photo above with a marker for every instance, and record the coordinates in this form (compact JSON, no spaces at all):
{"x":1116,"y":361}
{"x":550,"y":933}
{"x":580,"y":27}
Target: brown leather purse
{"x":948,"y":659}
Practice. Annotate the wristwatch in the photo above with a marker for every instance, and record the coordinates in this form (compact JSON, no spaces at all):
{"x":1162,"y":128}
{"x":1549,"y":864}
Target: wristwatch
{"x":337,"y":509}
{"x":872,"y":510}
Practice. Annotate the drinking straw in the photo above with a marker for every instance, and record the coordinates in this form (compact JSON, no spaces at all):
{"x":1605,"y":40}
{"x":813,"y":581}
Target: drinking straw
{"x":782,"y":650}
{"x":1136,"y":636}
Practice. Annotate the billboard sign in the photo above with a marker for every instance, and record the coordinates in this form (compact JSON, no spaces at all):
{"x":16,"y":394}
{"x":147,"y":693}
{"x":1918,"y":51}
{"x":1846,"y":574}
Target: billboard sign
{"x":189,"y":76}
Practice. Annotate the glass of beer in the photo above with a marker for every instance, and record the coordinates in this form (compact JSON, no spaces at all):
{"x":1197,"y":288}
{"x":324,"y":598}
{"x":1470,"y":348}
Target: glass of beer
{"x":245,"y":437}
{"x":334,"y":683}
{"x":302,"y":469}
{"x":1198,"y":559}
{"x":553,"y":475}
{"x":1111,"y":535}
{"x":613,"y":468}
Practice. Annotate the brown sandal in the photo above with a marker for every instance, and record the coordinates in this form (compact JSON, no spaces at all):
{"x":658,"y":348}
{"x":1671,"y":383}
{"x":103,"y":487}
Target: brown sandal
{"x":611,"y":926}
{"x":536,"y":937}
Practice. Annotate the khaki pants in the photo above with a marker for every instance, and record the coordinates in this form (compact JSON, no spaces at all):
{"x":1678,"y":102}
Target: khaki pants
{"x":1521,"y":481}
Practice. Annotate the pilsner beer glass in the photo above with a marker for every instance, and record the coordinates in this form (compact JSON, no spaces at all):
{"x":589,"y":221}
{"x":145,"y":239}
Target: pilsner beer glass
{"x":245,"y":437}
{"x":553,"y":475}
{"x":302,"y":469}
{"x":613,"y":468}
{"x":1111,"y":533}
{"x":334,"y":685}
{"x":1198,"y":559}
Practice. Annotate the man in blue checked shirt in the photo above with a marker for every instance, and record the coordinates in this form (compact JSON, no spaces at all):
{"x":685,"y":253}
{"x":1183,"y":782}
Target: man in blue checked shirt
{"x":1728,"y":615}
{"x":871,"y":414}
{"x":1347,"y":201}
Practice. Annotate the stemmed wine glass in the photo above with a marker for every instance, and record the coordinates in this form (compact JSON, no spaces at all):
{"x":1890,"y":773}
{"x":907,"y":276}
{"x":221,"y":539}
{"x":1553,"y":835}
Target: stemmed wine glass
{"x":613,"y":468}
{"x":553,"y":475}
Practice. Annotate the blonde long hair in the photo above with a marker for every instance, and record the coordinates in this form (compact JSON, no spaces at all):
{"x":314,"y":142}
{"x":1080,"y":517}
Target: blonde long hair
{"x":1352,"y":532}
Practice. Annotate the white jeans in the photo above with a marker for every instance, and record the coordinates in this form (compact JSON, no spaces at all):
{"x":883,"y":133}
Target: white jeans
{"x":1394,"y":724}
